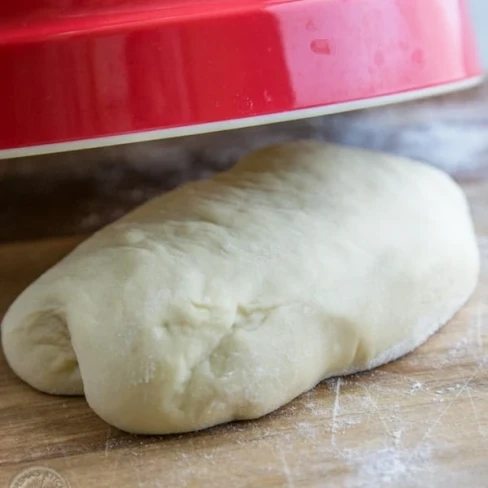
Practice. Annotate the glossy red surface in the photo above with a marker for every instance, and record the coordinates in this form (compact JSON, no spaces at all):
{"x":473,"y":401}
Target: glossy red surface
{"x":70,"y":70}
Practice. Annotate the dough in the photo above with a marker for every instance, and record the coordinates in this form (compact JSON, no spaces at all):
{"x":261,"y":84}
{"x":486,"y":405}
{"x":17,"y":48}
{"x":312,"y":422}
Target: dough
{"x":227,"y":298}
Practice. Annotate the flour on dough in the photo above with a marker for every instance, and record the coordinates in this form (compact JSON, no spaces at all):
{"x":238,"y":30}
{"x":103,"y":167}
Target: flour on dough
{"x":227,"y":298}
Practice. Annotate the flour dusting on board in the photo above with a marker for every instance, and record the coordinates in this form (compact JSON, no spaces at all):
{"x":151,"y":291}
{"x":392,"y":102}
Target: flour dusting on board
{"x":386,"y":458}
{"x":388,"y":465}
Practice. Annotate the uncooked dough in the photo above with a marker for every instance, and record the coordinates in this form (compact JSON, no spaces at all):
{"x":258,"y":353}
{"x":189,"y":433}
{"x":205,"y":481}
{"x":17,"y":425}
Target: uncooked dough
{"x":225,"y":299}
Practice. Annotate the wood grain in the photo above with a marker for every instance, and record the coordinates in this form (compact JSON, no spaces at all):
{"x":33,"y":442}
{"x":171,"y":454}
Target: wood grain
{"x":417,"y":422}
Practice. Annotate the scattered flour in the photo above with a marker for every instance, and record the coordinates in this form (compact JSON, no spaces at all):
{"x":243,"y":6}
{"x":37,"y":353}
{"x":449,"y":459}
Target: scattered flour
{"x":387,"y":467}
{"x":415,"y":388}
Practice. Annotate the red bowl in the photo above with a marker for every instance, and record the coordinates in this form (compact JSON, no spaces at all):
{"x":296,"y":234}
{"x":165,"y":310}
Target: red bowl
{"x":83,"y":74}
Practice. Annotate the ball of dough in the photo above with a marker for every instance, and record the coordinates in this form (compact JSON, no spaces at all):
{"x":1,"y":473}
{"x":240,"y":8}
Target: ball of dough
{"x":225,"y":299}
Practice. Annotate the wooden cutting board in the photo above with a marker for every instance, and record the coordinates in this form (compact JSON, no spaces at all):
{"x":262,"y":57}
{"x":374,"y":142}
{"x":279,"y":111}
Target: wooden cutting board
{"x":421,"y":421}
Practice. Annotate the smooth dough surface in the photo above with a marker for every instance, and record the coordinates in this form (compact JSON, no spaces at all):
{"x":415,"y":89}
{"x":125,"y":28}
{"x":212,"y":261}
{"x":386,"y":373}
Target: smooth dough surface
{"x":227,"y":298}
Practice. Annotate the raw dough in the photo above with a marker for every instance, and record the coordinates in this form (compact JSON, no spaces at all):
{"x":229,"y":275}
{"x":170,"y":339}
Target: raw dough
{"x":227,"y":298}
